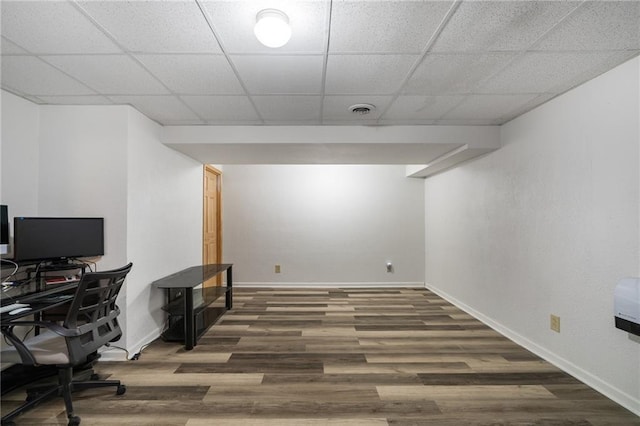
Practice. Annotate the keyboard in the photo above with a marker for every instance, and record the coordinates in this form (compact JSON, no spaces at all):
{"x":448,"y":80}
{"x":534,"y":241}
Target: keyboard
{"x":11,"y":307}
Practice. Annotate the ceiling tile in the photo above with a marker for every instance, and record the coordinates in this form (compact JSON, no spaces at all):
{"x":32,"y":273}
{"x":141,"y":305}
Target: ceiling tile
{"x":75,"y":100}
{"x":421,"y":107}
{"x":232,"y":109}
{"x":538,"y":72}
{"x":500,"y":25}
{"x":158,"y":108}
{"x":8,"y":48}
{"x":597,"y":25}
{"x":487,"y":107}
{"x":398,"y":27}
{"x":31,"y":25}
{"x":109,"y":74}
{"x":517,"y":54}
{"x":337,"y":107}
{"x":155,"y":26}
{"x":233,"y":22}
{"x":288,"y":108}
{"x":367,"y":74}
{"x":32,"y":76}
{"x":193,"y":74}
{"x":454,"y":73}
{"x":263,"y":75}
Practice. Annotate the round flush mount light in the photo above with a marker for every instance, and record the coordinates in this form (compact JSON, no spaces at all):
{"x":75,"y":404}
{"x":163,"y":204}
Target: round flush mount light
{"x":362,"y":109}
{"x":272,"y":28}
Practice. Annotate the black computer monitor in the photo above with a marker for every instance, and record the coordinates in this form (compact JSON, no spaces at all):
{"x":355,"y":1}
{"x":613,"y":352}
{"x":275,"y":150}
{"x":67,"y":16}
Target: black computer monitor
{"x":4,"y":229}
{"x":57,"y":238}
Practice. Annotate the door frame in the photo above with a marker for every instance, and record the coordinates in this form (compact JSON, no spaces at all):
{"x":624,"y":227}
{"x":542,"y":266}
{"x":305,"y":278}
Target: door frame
{"x":210,"y":169}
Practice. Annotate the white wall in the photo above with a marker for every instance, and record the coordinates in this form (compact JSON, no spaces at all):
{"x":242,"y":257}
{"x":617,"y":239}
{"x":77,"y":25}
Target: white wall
{"x":108,"y":161}
{"x":323,"y":224}
{"x":83,"y":170}
{"x":164,"y":223}
{"x":548,"y":224}
{"x":19,"y":155}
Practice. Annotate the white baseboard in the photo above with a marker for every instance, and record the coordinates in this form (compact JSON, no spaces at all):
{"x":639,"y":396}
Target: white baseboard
{"x":113,"y":354}
{"x":629,"y":402}
{"x":329,"y":284}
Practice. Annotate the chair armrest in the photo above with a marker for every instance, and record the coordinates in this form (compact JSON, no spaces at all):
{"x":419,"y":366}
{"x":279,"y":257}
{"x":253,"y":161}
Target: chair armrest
{"x":25,"y":354}
{"x":56,"y":328}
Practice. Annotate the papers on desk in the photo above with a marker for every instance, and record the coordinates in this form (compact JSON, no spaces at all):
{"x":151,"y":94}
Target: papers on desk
{"x":58,"y":280}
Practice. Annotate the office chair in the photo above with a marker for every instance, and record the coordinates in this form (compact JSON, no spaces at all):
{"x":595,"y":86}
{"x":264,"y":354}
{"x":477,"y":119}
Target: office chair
{"x":91,"y":322}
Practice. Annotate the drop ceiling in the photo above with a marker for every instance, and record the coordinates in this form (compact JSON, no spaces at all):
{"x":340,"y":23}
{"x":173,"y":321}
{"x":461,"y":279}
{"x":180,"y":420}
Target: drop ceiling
{"x":419,"y":62}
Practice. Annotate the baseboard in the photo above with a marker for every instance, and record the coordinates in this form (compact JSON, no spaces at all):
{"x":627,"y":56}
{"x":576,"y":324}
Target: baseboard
{"x":114,"y":354}
{"x":629,"y":402}
{"x":329,"y":284}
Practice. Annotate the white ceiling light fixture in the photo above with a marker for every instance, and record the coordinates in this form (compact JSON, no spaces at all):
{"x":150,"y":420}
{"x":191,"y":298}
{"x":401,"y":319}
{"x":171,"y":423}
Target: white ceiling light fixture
{"x":272,"y":28}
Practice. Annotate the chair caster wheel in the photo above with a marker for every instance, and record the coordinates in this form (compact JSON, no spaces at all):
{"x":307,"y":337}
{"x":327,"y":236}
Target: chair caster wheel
{"x":74,"y":421}
{"x":121,"y":390}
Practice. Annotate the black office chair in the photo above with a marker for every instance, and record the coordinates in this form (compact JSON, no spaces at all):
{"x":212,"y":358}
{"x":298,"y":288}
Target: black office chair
{"x":91,"y":322}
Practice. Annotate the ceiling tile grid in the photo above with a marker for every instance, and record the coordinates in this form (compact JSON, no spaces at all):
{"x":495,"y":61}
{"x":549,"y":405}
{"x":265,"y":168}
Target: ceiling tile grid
{"x":30,"y":75}
{"x":385,"y":26}
{"x":42,"y":27}
{"x":154,"y":26}
{"x":191,"y":74}
{"x":367,"y":74}
{"x":419,"y":62}
{"x":289,"y":109}
{"x":223,"y":109}
{"x":162,"y":107}
{"x":281,"y":74}
{"x":109,"y":74}
{"x":496,"y":26}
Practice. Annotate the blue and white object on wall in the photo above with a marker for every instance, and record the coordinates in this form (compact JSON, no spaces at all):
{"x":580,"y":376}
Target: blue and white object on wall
{"x":627,"y":305}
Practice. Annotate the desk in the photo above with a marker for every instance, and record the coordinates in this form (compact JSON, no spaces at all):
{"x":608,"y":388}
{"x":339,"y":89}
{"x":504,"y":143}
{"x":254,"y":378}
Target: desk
{"x":38,"y":303}
{"x":189,"y":308}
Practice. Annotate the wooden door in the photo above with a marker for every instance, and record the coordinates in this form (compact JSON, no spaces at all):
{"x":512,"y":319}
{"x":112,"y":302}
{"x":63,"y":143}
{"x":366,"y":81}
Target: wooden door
{"x":211,"y":223}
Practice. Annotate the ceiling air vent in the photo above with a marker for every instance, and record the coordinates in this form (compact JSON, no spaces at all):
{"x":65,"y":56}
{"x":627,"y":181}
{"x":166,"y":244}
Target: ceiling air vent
{"x":362,"y":109}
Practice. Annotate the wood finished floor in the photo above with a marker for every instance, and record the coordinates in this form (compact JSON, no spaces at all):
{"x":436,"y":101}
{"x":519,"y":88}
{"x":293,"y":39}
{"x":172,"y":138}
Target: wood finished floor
{"x":339,"y":357}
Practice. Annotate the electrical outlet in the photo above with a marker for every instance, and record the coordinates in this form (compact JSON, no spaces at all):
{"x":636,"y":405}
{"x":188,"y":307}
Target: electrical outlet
{"x":555,"y":323}
{"x":277,"y":269}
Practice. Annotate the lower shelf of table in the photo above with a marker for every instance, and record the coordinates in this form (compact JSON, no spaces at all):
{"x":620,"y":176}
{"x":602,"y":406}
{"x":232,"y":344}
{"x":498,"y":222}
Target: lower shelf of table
{"x":203,"y":320}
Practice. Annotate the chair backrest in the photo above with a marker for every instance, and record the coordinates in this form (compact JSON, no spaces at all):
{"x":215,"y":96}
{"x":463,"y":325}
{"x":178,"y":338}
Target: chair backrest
{"x":93,"y":312}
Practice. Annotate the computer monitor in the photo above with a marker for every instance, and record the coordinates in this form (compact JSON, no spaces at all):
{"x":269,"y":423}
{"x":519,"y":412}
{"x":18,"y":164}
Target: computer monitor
{"x":57,"y":238}
{"x":4,"y":229}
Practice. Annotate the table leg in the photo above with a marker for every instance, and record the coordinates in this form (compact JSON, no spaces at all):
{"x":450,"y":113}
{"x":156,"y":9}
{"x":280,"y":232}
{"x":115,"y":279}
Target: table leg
{"x":229,"y":295}
{"x":189,"y":332}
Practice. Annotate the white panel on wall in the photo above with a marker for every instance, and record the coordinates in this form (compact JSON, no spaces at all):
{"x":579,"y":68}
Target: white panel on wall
{"x":323,"y":224}
{"x":548,"y":224}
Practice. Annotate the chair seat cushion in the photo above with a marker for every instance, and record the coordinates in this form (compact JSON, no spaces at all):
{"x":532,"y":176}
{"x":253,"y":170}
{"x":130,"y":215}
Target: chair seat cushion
{"x":48,"y":348}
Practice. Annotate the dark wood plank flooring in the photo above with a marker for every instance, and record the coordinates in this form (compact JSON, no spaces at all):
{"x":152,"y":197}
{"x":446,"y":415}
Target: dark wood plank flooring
{"x":339,"y":357}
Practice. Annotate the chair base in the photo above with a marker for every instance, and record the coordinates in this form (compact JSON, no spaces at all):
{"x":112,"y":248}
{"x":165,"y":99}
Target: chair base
{"x":64,"y":389}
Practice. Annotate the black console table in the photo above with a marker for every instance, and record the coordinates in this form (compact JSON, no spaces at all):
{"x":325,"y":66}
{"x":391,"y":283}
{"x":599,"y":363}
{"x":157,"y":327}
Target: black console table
{"x":189,"y":304}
